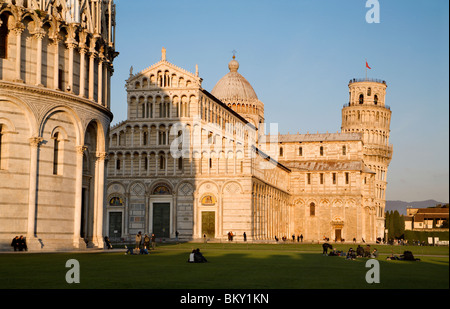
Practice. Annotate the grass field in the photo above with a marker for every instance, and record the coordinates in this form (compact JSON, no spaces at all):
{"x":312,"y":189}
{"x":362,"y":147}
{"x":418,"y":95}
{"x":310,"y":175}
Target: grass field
{"x":230,"y":266}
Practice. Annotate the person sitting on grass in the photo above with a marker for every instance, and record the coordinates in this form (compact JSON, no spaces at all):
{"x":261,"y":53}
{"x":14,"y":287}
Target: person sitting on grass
{"x":192,"y":257}
{"x":367,"y":251}
{"x":334,"y":253}
{"x":374,"y":254}
{"x":408,"y":256}
{"x":196,"y":257}
{"x":351,"y":255}
{"x":144,"y":250}
{"x":359,"y":251}
{"x":129,"y":249}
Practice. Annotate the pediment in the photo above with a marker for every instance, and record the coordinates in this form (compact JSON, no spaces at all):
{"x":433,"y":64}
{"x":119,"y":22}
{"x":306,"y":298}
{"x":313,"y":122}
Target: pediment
{"x":163,"y":74}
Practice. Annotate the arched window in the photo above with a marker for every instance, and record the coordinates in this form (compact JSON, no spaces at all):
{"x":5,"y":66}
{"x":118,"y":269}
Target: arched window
{"x":281,"y":151}
{"x":2,"y":147}
{"x":180,"y":163}
{"x":375,"y":100}
{"x":162,"y":162}
{"x":312,"y":209}
{"x":321,"y":150}
{"x":56,"y":153}
{"x":144,"y":138}
{"x":344,"y":150}
{"x":118,"y":164}
{"x":162,"y":137}
{"x":369,"y":92}
{"x":3,"y":37}
{"x":361,"y":99}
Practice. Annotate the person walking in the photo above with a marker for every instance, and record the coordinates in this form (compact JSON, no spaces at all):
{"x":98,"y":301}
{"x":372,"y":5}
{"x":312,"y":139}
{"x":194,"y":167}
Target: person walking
{"x":245,"y":236}
{"x":15,"y":243}
{"x":146,"y":241}
{"x":22,"y":244}
{"x":153,"y":241}
{"x":138,"y":240}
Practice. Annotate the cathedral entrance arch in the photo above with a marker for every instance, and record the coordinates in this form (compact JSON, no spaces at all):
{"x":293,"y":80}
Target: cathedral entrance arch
{"x":338,"y":225}
{"x":161,"y":220}
{"x":209,"y":224}
{"x":161,"y":203}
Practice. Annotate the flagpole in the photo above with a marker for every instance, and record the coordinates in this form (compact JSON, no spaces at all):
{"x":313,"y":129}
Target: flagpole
{"x":366,"y":69}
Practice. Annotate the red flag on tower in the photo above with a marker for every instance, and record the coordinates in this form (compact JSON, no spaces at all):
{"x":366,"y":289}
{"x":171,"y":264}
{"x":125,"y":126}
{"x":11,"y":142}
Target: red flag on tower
{"x":367,"y":65}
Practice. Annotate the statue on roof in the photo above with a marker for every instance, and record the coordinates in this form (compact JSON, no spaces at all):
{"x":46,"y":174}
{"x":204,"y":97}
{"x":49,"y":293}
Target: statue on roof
{"x":163,"y":54}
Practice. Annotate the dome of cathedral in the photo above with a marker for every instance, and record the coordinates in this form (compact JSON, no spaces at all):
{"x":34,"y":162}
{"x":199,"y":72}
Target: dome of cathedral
{"x":233,"y":86}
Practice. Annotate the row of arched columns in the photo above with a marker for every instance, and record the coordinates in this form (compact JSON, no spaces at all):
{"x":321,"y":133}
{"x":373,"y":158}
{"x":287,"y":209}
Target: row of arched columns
{"x":271,"y":212}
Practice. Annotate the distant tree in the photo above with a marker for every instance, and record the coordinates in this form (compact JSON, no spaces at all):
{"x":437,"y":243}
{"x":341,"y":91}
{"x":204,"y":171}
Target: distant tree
{"x":398,"y":224}
{"x":391,"y":226}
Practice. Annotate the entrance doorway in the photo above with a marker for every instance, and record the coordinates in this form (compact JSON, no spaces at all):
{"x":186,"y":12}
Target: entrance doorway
{"x":161,"y":220}
{"x":338,"y":235}
{"x":115,"y":226}
{"x":209,"y":224}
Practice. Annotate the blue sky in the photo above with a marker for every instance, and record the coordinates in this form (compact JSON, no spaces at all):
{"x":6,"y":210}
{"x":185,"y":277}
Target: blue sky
{"x":299,"y":56}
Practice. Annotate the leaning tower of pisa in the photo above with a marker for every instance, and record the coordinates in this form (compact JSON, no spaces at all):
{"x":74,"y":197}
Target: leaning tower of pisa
{"x":56,"y":63}
{"x":368,"y":114}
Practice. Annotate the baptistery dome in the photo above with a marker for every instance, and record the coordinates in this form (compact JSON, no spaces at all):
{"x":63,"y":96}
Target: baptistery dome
{"x":235,"y":91}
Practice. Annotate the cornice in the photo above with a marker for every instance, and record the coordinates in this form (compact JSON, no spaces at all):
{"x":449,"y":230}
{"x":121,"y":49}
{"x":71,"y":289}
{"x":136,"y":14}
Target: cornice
{"x":43,"y":91}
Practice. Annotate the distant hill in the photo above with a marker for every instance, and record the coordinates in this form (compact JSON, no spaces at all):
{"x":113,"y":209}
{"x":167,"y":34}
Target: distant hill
{"x":400,"y":206}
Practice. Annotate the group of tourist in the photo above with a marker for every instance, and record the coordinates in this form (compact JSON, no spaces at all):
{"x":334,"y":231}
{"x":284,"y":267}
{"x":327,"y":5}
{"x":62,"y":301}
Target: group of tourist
{"x":19,"y":243}
{"x":351,"y":254}
{"x":142,"y":244}
{"x":284,"y":238}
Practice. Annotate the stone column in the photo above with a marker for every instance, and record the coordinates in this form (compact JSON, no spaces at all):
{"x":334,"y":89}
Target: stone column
{"x":92,"y":56}
{"x":39,"y":36}
{"x":106,"y":77}
{"x":174,"y":216}
{"x":97,"y":236}
{"x":100,"y":83}
{"x":77,"y":241}
{"x":115,"y":164}
{"x":34,"y":158}
{"x":82,"y":91}
{"x":71,"y":46}
{"x":195,"y":227}
{"x":139,"y":165}
{"x":18,"y":65}
{"x":56,"y":41}
{"x":126,"y":215}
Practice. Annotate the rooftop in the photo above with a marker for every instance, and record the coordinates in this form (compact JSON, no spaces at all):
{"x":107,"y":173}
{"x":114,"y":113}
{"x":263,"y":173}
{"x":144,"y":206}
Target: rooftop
{"x":319,"y":137}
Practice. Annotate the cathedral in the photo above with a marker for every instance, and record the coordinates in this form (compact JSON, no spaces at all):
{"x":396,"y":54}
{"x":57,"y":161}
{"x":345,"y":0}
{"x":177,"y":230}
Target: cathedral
{"x":187,"y":163}
{"x":191,"y":164}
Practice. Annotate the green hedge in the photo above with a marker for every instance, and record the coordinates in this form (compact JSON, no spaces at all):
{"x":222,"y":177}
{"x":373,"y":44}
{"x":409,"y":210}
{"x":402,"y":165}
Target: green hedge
{"x":423,"y":236}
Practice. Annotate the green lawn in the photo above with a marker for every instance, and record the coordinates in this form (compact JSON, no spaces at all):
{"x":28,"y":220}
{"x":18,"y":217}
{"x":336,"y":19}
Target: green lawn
{"x":230,"y":266}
